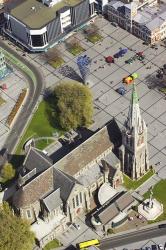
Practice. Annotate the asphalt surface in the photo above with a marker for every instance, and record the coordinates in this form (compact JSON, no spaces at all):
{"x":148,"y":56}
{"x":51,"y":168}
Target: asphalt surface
{"x":35,"y":90}
{"x":139,"y":235}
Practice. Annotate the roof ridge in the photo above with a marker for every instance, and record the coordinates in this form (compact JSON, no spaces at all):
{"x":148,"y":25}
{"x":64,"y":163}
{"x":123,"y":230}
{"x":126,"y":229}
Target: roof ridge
{"x":83,"y":143}
{"x":38,"y":152}
{"x":66,"y":175}
{"x":25,"y":186}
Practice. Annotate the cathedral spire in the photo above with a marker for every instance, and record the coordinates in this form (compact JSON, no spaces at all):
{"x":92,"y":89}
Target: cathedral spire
{"x":134,"y":119}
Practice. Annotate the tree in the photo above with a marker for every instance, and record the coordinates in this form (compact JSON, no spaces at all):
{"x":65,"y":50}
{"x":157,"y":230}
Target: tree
{"x":74,"y":105}
{"x":92,"y":29}
{"x":7,"y":172}
{"x":73,"y":43}
{"x":15,"y":232}
{"x":53,"y":54}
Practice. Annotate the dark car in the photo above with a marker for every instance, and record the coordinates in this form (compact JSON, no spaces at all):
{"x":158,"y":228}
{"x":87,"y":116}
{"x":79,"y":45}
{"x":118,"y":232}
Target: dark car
{"x":154,"y":247}
{"x":114,"y":24}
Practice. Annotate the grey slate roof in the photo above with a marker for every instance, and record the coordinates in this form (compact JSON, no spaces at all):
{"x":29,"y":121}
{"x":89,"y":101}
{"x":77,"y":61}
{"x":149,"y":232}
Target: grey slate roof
{"x":37,"y":159}
{"x":117,"y":204}
{"x":53,"y":200}
{"x":88,"y":151}
{"x":124,"y":201}
{"x":111,"y":159}
{"x":35,"y":190}
{"x":65,"y":182}
{"x":90,"y":175}
{"x":108,"y":214}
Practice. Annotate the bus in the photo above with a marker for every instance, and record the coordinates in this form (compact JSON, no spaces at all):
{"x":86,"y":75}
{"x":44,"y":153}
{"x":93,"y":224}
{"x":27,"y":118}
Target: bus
{"x":88,"y":243}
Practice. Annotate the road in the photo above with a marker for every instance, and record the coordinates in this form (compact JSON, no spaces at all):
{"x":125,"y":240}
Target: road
{"x":139,"y":235}
{"x":36,"y":86}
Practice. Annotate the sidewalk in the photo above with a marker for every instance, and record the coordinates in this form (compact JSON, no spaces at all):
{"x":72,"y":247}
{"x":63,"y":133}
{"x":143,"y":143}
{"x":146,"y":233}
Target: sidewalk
{"x":152,"y":181}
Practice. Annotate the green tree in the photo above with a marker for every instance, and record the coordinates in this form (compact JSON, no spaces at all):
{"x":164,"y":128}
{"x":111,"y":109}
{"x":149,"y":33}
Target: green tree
{"x":15,"y":232}
{"x":74,"y":105}
{"x":7,"y":172}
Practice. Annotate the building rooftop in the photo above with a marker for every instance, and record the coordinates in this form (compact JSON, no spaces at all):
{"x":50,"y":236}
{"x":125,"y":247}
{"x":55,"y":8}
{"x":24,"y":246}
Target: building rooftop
{"x":53,"y":200}
{"x":150,"y":16}
{"x":108,"y":214}
{"x":106,"y":192}
{"x":90,"y":175}
{"x":35,"y":14}
{"x":35,"y":189}
{"x":87,"y":152}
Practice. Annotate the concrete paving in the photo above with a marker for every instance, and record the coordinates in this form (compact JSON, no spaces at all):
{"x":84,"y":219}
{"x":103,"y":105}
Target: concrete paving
{"x":104,"y":82}
{"x":15,"y":83}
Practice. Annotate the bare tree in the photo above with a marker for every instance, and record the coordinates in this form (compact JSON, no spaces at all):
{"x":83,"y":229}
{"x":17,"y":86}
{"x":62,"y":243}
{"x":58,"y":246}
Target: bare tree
{"x":53,"y":54}
{"x":74,"y":42}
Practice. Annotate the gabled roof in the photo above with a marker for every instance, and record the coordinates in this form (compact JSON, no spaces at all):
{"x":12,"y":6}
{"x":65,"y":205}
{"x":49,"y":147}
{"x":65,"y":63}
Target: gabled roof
{"x":37,"y":159}
{"x":65,"y":182}
{"x":34,"y":190}
{"x":124,"y":201}
{"x":88,"y":151}
{"x":108,"y":214}
{"x":53,"y":200}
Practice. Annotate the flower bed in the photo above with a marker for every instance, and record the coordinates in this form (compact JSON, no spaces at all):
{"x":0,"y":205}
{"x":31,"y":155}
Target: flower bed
{"x":2,"y":101}
{"x":94,"y":38}
{"x":76,"y":50}
{"x":16,"y":107}
{"x":56,"y":63}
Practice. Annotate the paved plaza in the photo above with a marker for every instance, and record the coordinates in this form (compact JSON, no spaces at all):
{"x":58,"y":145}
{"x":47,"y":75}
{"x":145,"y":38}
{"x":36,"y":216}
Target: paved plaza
{"x":105,"y":79}
{"x":15,"y":83}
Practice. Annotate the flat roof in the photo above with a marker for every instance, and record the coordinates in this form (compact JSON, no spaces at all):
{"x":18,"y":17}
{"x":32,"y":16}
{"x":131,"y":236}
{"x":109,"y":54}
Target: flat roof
{"x":36,"y":15}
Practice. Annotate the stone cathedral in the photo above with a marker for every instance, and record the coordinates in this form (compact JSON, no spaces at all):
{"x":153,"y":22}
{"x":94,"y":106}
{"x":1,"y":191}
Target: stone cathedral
{"x":134,"y":152}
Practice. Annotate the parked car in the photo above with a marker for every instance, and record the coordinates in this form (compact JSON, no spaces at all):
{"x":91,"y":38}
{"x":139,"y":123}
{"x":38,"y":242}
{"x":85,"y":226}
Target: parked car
{"x":121,"y":91}
{"x":129,"y":61}
{"x":154,"y":247}
{"x":160,"y":247}
{"x":114,"y":24}
{"x":163,"y":90}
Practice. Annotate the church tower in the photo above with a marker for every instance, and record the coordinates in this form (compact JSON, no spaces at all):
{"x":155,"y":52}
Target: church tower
{"x":134,"y":152}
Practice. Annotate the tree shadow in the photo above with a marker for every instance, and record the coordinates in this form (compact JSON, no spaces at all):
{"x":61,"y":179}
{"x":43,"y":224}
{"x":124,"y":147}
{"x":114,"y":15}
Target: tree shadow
{"x":51,"y":110}
{"x":153,"y":82}
{"x":69,"y":72}
{"x":16,"y":160}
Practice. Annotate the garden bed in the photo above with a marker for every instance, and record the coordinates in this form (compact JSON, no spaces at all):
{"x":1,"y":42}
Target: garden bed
{"x":52,"y":244}
{"x":94,"y":38}
{"x":76,"y":50}
{"x":2,"y":101}
{"x":56,"y":63}
{"x":16,"y":107}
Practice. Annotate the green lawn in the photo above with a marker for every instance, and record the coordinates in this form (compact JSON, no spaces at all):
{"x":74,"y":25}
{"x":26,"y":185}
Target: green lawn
{"x":52,"y":244}
{"x":159,"y":194}
{"x":2,"y":101}
{"x":40,"y":126}
{"x":94,"y":38}
{"x":76,"y":50}
{"x":56,"y":63}
{"x":130,"y":184}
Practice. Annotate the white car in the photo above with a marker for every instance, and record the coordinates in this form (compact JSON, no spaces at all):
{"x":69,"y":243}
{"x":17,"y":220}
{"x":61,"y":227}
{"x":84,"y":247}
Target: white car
{"x":160,"y":246}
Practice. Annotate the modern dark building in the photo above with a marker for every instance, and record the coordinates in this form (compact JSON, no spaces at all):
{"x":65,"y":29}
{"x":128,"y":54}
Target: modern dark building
{"x":38,"y":24}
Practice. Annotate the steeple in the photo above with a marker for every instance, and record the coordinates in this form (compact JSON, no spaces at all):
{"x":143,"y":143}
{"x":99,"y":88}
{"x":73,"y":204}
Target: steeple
{"x":134,"y":152}
{"x":134,"y":119}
